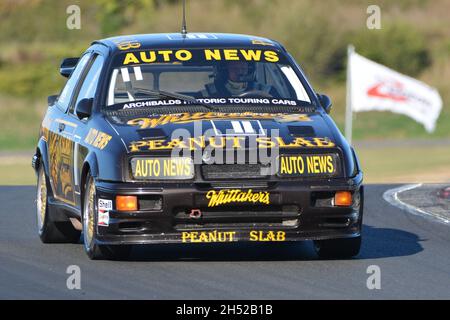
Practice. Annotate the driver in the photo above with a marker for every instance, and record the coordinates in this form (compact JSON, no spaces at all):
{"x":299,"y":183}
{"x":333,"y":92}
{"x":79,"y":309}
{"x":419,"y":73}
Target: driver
{"x":235,"y":78}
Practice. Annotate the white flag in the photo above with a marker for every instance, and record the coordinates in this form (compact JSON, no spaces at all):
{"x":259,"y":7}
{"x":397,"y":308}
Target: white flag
{"x":376,"y":87}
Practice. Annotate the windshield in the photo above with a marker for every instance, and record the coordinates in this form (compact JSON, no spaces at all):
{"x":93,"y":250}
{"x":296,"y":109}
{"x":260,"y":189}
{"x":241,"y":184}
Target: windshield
{"x":213,"y":76}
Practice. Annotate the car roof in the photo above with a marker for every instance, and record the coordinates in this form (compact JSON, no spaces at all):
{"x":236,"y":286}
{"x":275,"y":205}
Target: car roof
{"x":191,"y":40}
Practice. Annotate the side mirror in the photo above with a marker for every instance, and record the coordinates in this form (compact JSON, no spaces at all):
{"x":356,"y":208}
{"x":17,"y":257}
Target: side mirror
{"x":325,"y":102}
{"x":52,"y":99}
{"x":84,"y":108}
{"x":67,"y":66}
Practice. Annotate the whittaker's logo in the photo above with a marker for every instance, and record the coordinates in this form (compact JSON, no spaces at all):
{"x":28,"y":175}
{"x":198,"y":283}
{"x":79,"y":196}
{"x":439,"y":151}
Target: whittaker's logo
{"x":186,"y":117}
{"x":236,"y":195}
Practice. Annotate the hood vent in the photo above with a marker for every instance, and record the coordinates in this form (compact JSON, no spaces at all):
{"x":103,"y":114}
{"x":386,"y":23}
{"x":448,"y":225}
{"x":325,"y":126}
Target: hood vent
{"x":302,"y":131}
{"x":152,"y":133}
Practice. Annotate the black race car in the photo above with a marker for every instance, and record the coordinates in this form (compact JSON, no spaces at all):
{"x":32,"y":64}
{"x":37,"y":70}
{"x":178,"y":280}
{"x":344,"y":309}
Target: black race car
{"x":193,"y":138}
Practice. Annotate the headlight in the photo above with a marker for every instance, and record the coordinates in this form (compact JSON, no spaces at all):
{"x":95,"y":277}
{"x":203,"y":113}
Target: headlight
{"x":179,"y":168}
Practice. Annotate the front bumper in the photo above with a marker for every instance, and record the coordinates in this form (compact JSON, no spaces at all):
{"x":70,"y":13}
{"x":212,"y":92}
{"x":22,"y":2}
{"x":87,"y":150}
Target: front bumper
{"x":296,"y":211}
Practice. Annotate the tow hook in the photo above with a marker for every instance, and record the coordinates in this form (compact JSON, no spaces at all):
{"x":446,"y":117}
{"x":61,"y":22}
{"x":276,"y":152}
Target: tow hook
{"x":195,"y":214}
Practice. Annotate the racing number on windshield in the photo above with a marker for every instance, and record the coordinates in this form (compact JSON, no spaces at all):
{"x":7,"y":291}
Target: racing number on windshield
{"x":127,"y":45}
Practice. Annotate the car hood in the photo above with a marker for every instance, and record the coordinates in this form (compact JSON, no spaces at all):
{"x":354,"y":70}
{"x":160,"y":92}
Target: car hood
{"x":144,"y":133}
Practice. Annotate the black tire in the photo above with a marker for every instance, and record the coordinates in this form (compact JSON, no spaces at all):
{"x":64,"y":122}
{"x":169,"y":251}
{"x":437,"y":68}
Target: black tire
{"x":93,"y":250}
{"x":49,"y":230}
{"x":338,"y":248}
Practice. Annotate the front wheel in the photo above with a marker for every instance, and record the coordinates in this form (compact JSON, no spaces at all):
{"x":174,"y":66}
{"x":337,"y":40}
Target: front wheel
{"x":92,"y":249}
{"x":338,"y":248}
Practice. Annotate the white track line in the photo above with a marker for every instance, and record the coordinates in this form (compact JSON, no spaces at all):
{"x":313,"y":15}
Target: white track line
{"x":391,"y":196}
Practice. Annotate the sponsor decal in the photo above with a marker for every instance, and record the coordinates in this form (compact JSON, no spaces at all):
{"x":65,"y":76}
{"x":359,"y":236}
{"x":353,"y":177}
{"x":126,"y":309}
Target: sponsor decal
{"x":152,"y":122}
{"x":103,"y":218}
{"x":262,"y":43}
{"x":152,"y":103}
{"x":97,"y":139}
{"x":61,"y":165}
{"x":307,"y":165}
{"x":182,"y":55}
{"x":217,"y":101}
{"x":224,"y":197}
{"x":229,"y":236}
{"x":211,"y":236}
{"x":200,"y":143}
{"x":392,"y":91}
{"x":162,"y":168}
{"x":128,"y":44}
{"x":267,"y":235}
{"x":105,"y":204}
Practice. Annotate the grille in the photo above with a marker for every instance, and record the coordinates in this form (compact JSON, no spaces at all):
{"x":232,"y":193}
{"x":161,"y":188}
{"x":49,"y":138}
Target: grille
{"x":243,"y":217}
{"x":261,"y":185}
{"x":234,"y":171}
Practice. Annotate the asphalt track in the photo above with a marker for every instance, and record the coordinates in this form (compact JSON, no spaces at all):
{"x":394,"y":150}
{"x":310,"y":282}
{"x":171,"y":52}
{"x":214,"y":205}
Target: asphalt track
{"x":412,"y":252}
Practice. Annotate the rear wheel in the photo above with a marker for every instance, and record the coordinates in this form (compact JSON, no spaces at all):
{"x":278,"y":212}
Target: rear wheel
{"x":338,"y":248}
{"x":92,"y":249}
{"x":49,"y":230}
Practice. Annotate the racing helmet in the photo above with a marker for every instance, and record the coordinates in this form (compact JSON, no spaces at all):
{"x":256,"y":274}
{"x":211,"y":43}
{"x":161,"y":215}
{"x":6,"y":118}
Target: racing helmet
{"x":243,"y":71}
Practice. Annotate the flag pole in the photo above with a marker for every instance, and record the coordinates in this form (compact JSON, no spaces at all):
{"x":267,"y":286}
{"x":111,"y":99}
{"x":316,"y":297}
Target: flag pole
{"x":348,"y":110}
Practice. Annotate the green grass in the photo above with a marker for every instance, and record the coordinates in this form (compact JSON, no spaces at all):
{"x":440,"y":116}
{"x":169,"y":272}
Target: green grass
{"x":405,"y":163}
{"x":20,"y":122}
{"x":16,"y":170}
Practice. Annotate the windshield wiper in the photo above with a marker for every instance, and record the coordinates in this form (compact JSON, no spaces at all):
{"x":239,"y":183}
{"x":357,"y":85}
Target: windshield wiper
{"x":174,"y":95}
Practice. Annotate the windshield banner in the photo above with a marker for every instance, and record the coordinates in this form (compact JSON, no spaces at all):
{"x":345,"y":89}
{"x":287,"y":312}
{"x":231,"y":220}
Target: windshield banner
{"x":215,"y":101}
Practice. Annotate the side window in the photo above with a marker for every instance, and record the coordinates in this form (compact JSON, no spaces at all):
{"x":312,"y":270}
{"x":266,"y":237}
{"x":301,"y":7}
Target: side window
{"x":66,"y":94}
{"x":90,"y":82}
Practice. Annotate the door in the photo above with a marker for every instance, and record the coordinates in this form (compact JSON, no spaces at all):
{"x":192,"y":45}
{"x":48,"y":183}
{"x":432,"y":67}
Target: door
{"x":87,"y":90}
{"x":60,"y":139}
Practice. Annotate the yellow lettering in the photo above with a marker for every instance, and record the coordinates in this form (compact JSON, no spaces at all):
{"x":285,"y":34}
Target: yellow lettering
{"x":203,"y":237}
{"x":137,"y":145}
{"x":303,"y":142}
{"x":166,"y":54}
{"x":330,"y":164}
{"x":230,"y":54}
{"x":251,"y":55}
{"x":137,"y":171}
{"x":270,"y":236}
{"x":281,"y":236}
{"x":236,"y":141}
{"x":156,"y":145}
{"x":265,"y":142}
{"x":213,"y":142}
{"x":130,"y":58}
{"x":150,"y":58}
{"x":212,"y":54}
{"x":185,"y":236}
{"x":183,"y":55}
{"x":200,"y":142}
{"x":323,"y":142}
{"x":271,"y":56}
{"x":267,"y":235}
